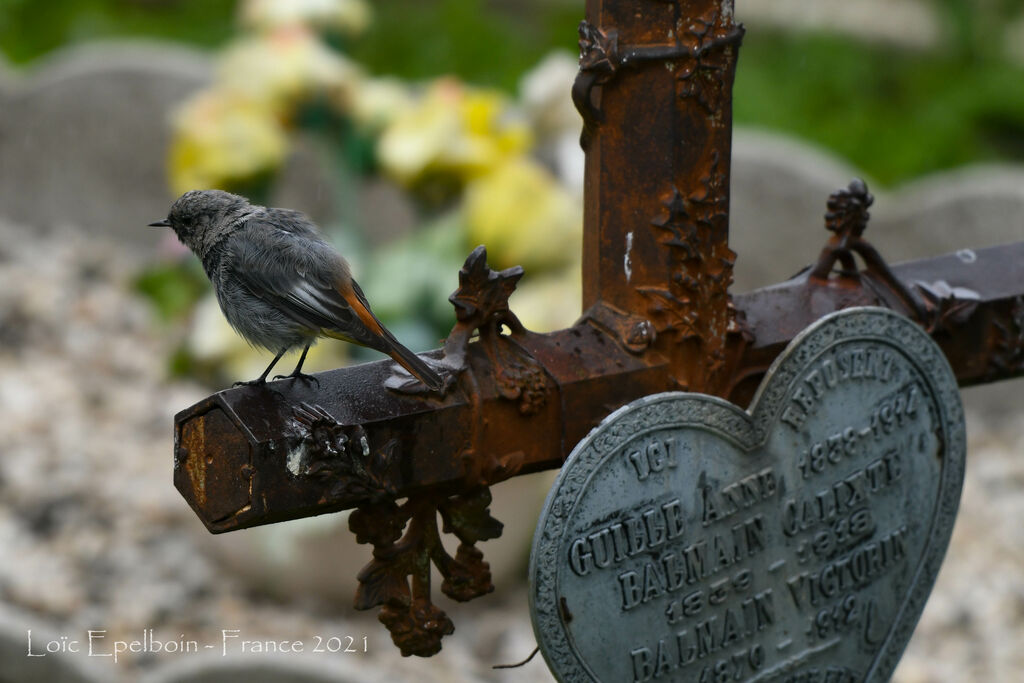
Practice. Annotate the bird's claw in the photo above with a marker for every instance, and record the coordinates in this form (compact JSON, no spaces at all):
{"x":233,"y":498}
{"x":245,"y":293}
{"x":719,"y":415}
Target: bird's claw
{"x":300,"y":376}
{"x":251,"y":383}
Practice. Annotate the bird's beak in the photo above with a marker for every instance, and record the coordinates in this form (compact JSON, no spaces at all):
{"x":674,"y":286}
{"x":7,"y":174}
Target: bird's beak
{"x":164,"y":223}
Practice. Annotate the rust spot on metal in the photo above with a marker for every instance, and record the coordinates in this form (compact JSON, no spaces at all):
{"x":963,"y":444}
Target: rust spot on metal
{"x":214,"y":472}
{"x":193,"y":449}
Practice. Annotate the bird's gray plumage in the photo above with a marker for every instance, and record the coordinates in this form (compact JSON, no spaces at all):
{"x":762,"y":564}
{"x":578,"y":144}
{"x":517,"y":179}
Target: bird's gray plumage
{"x":279,"y":284}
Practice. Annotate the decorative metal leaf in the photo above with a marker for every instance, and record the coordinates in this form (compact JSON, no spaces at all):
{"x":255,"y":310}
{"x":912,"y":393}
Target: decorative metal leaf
{"x":333,"y":452}
{"x":467,"y":576}
{"x":380,"y":524}
{"x":483,"y":292}
{"x":382,"y":582}
{"x":398,"y":578}
{"x":468,"y":517}
{"x":848,"y":209}
{"x":947,"y":306}
{"x":671,"y":313}
{"x":598,"y":50}
{"x":418,"y":628}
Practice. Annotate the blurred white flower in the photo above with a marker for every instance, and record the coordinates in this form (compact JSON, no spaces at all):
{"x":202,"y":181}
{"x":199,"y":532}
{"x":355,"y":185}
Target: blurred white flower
{"x":350,"y":17}
{"x":545,"y":94}
{"x":219,"y":138}
{"x":286,"y":66}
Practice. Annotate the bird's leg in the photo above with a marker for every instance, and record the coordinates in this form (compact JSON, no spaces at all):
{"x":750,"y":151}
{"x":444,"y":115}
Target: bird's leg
{"x":297,"y":372}
{"x":262,"y":379}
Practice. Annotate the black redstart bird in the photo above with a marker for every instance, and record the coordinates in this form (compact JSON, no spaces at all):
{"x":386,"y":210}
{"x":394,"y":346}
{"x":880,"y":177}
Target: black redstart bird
{"x":279,"y":284}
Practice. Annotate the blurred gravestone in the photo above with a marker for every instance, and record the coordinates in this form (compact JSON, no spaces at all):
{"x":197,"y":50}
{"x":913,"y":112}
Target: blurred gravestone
{"x":84,"y":137}
{"x":778,"y":208}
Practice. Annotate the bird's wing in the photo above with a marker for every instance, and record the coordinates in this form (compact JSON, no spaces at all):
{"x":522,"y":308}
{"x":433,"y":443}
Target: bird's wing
{"x":291,"y":221}
{"x":306,"y":281}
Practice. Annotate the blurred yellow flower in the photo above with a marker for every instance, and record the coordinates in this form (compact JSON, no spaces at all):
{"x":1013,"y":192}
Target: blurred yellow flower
{"x":286,"y":66}
{"x":452,"y":130}
{"x":524,"y":216}
{"x":350,"y":17}
{"x":220,"y":138}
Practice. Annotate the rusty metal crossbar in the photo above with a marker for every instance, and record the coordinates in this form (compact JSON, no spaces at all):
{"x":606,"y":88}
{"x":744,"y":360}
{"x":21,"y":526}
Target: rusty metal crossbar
{"x":247,"y":457}
{"x":658,"y":316}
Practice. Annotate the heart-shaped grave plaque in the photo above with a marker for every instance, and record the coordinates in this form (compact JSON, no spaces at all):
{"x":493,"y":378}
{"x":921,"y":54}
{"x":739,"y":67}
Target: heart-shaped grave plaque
{"x":689,"y":540}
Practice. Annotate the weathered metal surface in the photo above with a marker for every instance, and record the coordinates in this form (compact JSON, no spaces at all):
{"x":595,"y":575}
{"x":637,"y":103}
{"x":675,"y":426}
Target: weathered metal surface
{"x":591,"y":373}
{"x":688,"y":540}
{"x":213,"y":465}
{"x":974,"y":306}
{"x":847,"y":218}
{"x":655,"y":90}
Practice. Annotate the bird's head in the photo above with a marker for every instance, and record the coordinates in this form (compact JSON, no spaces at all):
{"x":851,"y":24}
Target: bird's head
{"x":201,"y":217}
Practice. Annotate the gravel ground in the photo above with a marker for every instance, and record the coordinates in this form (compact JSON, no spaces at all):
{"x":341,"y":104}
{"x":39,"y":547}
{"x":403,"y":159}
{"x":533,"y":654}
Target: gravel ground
{"x":93,"y":535}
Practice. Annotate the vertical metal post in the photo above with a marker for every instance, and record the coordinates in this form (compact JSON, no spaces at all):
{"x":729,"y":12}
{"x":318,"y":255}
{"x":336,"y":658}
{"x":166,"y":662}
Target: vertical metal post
{"x":655,"y":90}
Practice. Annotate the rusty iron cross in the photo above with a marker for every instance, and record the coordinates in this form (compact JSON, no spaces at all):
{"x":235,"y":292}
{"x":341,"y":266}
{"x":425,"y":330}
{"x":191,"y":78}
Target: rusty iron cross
{"x":655,"y":92}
